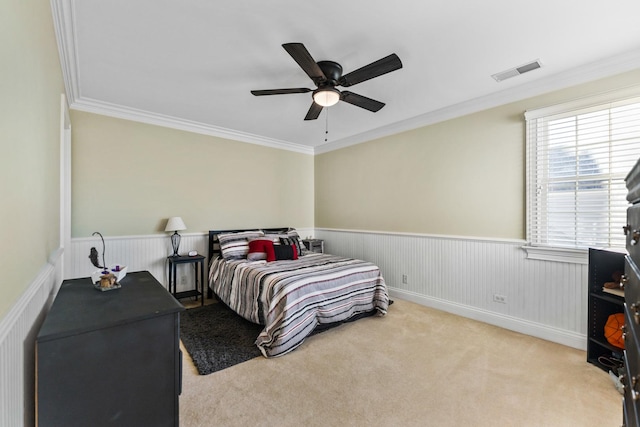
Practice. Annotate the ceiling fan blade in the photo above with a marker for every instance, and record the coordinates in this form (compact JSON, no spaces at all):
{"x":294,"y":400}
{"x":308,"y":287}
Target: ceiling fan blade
{"x":361,"y":101}
{"x":381,"y":66}
{"x":314,"y":111}
{"x":304,"y":59}
{"x":280,"y":91}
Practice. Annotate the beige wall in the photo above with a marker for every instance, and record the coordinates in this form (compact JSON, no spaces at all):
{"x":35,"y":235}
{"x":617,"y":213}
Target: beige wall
{"x":129,"y":177}
{"x":30,"y":88}
{"x":463,"y":177}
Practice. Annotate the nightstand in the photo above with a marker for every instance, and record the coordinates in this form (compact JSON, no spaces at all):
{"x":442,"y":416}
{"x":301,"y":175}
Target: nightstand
{"x":197,"y":261}
{"x":314,"y":245}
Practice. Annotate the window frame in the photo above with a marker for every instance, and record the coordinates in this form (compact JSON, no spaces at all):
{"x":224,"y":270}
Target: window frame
{"x":551,"y":253}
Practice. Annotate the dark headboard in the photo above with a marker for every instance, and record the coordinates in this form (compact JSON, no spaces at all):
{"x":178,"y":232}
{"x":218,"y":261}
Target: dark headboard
{"x":214,"y":245}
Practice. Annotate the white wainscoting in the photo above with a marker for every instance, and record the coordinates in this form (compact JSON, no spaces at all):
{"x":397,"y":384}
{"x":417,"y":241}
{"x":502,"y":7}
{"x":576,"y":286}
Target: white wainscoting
{"x":18,"y":331}
{"x":544,"y":299}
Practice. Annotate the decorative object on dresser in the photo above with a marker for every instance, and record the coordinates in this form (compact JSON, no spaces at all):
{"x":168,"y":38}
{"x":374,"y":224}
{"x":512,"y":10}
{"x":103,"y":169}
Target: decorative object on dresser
{"x":631,"y":282}
{"x":314,"y":245}
{"x":197,"y":261}
{"x":93,"y":253}
{"x":105,"y":358}
{"x":107,"y":278}
{"x":175,"y":224}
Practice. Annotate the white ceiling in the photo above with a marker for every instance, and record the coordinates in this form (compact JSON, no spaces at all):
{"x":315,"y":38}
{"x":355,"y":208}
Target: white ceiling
{"x":191,"y":64}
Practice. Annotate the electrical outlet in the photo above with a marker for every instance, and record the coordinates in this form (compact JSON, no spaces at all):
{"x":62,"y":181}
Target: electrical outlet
{"x":502,"y":299}
{"x":404,"y":279}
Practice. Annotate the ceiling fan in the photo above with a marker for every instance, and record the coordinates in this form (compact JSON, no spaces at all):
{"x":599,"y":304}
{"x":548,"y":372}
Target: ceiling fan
{"x":326,"y":75}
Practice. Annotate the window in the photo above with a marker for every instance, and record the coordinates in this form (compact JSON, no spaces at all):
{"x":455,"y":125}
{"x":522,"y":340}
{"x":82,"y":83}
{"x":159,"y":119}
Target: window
{"x":578,"y":155}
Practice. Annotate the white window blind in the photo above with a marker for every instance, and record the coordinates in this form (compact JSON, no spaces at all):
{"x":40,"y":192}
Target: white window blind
{"x":577,"y":160}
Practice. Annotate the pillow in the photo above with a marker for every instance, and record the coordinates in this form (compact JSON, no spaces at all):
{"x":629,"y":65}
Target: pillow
{"x":275,"y":238}
{"x":260,"y":249}
{"x":236,"y":245}
{"x":283,"y":252}
{"x":293,"y":239}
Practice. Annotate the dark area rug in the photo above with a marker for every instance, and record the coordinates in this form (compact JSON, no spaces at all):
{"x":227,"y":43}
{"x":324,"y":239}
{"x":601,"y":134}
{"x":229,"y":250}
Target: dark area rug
{"x":217,"y":338}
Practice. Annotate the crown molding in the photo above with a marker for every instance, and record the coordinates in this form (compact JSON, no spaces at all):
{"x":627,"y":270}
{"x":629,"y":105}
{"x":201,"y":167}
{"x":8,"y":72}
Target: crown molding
{"x":117,"y":111}
{"x":593,"y":71}
{"x":62,"y":14}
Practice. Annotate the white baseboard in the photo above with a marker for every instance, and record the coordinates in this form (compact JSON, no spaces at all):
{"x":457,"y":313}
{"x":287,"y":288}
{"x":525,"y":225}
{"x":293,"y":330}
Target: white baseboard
{"x":537,"y":330}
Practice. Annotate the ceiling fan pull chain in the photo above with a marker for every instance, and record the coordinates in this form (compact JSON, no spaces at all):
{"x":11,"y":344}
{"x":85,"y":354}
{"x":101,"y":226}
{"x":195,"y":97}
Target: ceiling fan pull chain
{"x":326,"y":126}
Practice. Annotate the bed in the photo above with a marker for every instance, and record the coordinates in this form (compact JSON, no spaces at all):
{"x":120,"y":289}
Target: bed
{"x":290,"y":297}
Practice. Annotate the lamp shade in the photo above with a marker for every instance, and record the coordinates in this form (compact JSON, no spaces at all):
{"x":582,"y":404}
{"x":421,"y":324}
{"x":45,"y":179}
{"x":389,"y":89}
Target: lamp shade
{"x":175,"y":223}
{"x":326,"y":97}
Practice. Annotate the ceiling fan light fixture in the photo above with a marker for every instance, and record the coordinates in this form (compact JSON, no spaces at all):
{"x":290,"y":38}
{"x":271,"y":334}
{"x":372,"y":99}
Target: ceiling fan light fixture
{"x":326,"y":97}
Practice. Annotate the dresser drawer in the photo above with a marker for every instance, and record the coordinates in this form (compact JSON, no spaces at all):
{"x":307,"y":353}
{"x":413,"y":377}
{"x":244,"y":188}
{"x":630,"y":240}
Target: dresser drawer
{"x":630,"y":410}
{"x":632,"y":232}
{"x":631,"y":378}
{"x":632,"y":291}
{"x":631,"y":344}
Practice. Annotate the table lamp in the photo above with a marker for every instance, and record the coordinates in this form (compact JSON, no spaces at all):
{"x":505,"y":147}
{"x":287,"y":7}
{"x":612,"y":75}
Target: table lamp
{"x":175,"y":224}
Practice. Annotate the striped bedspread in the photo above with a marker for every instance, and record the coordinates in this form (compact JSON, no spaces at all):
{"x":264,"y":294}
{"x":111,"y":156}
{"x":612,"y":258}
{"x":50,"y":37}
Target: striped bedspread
{"x":290,"y":298}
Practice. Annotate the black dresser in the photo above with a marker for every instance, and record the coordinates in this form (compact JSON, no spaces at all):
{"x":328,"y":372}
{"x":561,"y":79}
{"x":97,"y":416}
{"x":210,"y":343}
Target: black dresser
{"x":631,"y":280}
{"x":110,"y":358}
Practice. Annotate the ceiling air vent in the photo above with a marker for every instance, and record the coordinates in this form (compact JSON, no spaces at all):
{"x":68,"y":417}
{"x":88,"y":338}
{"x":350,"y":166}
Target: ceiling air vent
{"x":525,"y":68}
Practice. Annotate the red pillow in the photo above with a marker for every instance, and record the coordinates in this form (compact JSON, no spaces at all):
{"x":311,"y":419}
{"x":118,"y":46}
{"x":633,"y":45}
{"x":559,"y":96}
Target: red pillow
{"x":261,"y":249}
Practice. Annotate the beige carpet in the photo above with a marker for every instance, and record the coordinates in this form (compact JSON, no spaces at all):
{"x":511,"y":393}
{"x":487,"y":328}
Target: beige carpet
{"x":415,"y":367}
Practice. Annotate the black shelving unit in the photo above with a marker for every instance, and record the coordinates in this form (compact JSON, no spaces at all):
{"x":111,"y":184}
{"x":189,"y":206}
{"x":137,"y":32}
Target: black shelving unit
{"x":602,"y":265}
